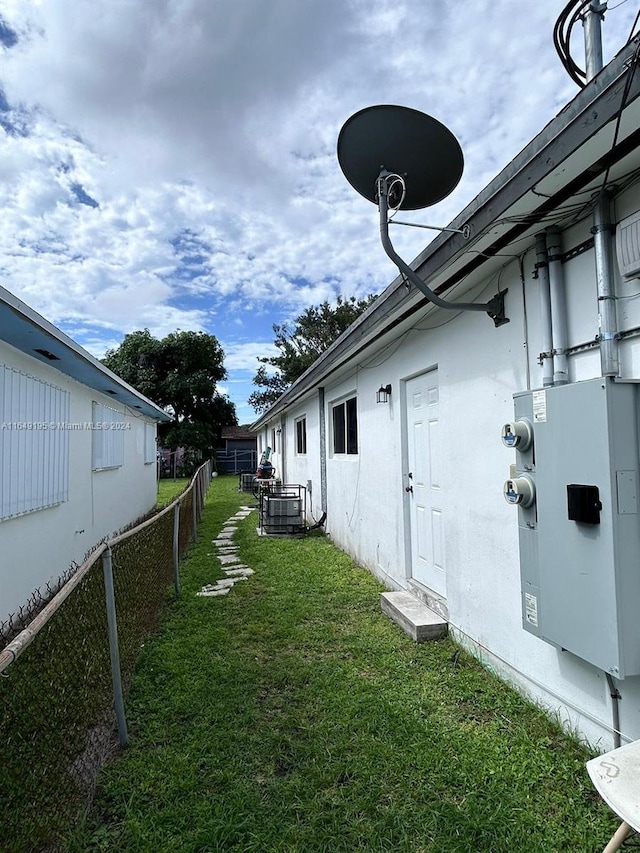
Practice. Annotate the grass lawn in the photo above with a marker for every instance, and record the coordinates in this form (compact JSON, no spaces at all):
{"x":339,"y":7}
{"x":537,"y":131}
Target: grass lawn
{"x":170,"y":489}
{"x":291,"y":715}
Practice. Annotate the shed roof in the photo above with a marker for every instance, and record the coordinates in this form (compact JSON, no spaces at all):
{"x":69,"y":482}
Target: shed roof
{"x":596,"y":135}
{"x":27,"y":331}
{"x":243,"y":431}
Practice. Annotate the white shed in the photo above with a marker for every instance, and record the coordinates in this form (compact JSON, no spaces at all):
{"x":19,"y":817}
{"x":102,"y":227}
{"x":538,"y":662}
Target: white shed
{"x":77,"y":453}
{"x":414,"y":487}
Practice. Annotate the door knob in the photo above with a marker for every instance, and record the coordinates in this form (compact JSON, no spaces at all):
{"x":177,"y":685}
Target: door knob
{"x":408,"y":488}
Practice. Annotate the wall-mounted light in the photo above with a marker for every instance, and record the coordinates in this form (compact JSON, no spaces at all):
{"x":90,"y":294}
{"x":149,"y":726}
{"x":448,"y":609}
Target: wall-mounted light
{"x":383,"y":393}
{"x":278,"y":431}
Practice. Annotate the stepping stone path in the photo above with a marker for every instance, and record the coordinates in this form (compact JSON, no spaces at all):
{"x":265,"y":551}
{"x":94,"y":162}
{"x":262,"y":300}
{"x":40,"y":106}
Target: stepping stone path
{"x":227,"y":554}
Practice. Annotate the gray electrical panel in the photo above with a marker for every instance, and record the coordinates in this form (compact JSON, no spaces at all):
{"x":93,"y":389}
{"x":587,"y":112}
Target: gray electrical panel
{"x":576,"y":486}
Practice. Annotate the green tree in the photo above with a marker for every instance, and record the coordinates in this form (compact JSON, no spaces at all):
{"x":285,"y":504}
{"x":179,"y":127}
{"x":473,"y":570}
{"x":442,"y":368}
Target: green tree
{"x":180,"y":373}
{"x":300,"y":344}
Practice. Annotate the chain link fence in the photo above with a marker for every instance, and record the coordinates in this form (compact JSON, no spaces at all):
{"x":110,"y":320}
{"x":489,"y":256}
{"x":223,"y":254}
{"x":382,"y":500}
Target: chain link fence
{"x":62,"y":678}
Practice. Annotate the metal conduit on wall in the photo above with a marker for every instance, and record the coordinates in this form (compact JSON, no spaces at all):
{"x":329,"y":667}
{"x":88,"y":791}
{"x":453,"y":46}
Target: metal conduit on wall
{"x":542,"y":268}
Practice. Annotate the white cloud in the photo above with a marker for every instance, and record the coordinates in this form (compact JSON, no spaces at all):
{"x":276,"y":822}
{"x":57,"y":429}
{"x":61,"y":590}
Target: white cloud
{"x":245,"y":356}
{"x":205,"y":131}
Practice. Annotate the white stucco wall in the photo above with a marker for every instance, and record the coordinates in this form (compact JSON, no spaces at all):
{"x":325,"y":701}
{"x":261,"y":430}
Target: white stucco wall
{"x":479,"y":369}
{"x":35,"y":548}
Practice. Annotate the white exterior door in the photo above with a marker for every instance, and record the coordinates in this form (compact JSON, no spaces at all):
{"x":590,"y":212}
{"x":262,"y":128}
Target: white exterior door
{"x":423,"y":483}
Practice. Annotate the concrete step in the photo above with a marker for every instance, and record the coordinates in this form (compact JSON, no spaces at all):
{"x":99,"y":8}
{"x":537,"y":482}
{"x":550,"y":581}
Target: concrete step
{"x":416,"y":619}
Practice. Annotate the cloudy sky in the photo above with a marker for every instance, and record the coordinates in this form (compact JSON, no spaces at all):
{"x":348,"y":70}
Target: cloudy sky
{"x":171,"y":164}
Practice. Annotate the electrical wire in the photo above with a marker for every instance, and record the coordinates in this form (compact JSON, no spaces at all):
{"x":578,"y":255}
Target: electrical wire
{"x":565,"y":23}
{"x":633,"y":26}
{"x":625,"y":94}
{"x":397,"y":179}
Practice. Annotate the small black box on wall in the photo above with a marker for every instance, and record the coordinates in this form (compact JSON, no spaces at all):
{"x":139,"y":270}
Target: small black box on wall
{"x":583,"y":503}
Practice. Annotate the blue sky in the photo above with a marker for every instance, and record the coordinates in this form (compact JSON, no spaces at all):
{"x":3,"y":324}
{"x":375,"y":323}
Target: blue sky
{"x":171,"y":164}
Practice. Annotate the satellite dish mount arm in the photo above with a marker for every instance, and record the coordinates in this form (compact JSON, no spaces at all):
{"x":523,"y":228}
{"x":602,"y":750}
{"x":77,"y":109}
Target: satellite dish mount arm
{"x":494,"y":308}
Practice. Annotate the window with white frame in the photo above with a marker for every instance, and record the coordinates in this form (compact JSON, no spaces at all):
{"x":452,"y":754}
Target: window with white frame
{"x":34,"y":443}
{"x":345,"y":426}
{"x":301,"y":436}
{"x":107,"y":434}
{"x":150,"y":449}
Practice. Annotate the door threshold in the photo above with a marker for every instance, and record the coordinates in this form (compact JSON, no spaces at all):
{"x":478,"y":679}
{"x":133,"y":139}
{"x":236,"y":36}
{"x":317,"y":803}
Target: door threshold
{"x":436,"y":602}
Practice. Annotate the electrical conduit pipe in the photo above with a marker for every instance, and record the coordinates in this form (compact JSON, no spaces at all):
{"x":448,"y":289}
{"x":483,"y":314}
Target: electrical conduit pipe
{"x":558,"y":308}
{"x":542,"y":267}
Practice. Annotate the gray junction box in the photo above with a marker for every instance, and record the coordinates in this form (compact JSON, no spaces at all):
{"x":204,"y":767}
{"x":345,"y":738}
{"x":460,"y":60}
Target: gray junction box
{"x":580,"y":535}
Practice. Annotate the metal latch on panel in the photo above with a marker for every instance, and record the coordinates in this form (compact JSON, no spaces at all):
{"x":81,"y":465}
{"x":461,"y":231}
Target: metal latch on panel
{"x":520,"y":491}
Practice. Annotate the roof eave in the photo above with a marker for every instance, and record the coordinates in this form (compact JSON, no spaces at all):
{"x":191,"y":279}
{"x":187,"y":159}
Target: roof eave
{"x":29,"y":332}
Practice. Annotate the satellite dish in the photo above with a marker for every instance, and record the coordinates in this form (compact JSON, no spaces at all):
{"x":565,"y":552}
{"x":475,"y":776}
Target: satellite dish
{"x":402,"y":141}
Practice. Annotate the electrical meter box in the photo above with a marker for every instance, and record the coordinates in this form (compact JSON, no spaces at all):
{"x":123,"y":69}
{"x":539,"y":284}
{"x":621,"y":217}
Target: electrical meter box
{"x":579,"y":528}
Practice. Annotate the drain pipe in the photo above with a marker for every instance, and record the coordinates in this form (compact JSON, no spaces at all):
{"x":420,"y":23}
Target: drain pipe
{"x":323,"y":449}
{"x":542,"y":269}
{"x":607,"y":316}
{"x":558,"y":308}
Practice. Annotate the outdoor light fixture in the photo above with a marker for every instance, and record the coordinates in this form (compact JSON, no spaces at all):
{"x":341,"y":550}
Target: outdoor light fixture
{"x":383,"y":393}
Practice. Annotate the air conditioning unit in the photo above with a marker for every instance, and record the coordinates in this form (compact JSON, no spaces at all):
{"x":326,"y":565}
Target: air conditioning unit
{"x":245,"y":482}
{"x":284,"y":510}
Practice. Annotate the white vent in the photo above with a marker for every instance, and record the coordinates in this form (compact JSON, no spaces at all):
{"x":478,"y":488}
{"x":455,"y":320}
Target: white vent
{"x":628,"y":246}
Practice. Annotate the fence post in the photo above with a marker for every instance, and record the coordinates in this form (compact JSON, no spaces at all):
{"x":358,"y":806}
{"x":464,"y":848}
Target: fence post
{"x":194,"y":507}
{"x":176,"y":547}
{"x":114,"y":652}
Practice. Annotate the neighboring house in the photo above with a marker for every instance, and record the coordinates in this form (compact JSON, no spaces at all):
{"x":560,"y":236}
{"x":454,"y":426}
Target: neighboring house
{"x":77,"y":453}
{"x":237,"y":450}
{"x":413,"y":487}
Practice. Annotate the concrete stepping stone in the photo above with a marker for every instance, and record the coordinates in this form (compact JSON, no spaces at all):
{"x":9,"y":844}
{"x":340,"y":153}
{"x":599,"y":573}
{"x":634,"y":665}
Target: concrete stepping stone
{"x":227,"y":554}
{"x":230,"y":581}
{"x":210,"y":593}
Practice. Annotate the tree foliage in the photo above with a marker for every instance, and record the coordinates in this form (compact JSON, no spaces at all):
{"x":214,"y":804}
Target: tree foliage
{"x":300,"y":344}
{"x":180,"y":373}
